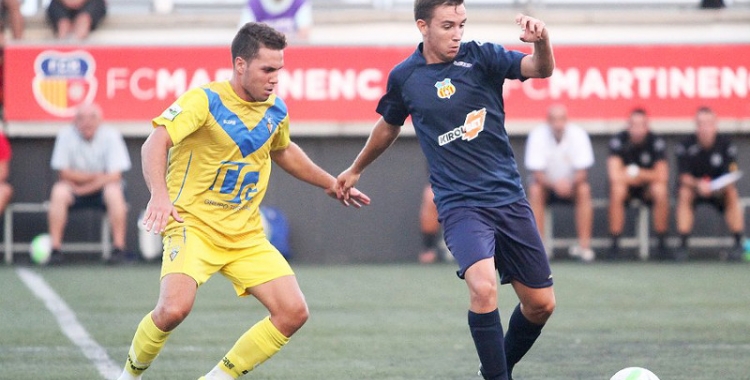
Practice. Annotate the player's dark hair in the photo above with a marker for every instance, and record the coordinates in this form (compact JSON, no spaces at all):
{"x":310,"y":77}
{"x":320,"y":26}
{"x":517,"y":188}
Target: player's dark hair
{"x":252,"y":36}
{"x":424,"y":9}
{"x":638,"y":111}
{"x":704,"y":109}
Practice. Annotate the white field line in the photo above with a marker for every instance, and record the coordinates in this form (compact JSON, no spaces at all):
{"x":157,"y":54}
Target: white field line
{"x":69,"y":324}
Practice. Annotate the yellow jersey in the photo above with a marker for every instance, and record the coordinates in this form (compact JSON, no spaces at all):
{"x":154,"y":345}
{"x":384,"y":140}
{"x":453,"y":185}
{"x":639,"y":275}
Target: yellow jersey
{"x":219,"y":165}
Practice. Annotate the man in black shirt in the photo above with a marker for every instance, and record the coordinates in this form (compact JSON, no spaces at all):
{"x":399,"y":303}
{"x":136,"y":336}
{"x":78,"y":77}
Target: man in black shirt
{"x":703,"y":158}
{"x":638,"y":169}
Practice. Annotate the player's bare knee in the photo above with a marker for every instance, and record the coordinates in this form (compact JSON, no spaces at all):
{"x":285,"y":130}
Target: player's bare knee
{"x":299,"y":314}
{"x":168,"y":317}
{"x":539,"y":313}
{"x":483,"y":295}
{"x":291,"y":318}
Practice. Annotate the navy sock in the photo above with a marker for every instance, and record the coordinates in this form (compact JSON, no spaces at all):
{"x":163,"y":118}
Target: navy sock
{"x":488,"y":339}
{"x":520,"y":337}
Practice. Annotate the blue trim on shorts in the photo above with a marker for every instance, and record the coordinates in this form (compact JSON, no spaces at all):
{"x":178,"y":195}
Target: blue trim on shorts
{"x":506,"y":233}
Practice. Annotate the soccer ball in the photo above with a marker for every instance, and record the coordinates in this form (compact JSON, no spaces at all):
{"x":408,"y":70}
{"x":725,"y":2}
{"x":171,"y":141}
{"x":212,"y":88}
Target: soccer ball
{"x":634,"y":373}
{"x":40,"y":249}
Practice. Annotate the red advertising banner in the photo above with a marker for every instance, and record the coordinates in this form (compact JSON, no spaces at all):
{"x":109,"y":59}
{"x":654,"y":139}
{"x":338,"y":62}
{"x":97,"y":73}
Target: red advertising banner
{"x":343,"y":84}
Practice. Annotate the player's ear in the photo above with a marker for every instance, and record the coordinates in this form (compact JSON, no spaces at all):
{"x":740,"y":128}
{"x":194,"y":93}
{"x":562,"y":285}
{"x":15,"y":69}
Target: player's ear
{"x":239,"y":65}
{"x":422,"y":26}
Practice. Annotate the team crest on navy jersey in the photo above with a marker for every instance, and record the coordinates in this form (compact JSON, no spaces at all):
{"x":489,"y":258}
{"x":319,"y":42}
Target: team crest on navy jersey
{"x":63,"y":81}
{"x":445,"y":89}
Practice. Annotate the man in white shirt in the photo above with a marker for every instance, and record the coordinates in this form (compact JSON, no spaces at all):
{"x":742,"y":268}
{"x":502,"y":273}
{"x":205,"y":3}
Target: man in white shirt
{"x":558,"y":156}
{"x":90,"y":160}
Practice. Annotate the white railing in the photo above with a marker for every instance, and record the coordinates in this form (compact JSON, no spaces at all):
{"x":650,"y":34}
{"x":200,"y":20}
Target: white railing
{"x":34,"y":7}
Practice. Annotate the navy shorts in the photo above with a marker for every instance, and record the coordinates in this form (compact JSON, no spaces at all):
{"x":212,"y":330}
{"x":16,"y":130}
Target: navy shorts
{"x":508,"y":233}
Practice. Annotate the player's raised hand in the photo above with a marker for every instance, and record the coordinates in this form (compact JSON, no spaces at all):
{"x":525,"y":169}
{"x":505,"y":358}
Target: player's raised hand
{"x":532,"y":30}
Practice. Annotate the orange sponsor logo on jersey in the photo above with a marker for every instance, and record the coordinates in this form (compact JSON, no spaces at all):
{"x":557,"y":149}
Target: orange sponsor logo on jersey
{"x":474,"y":124}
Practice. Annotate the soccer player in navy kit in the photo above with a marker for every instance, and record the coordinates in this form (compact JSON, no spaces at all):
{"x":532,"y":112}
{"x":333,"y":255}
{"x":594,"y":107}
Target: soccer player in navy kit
{"x":453,"y":92}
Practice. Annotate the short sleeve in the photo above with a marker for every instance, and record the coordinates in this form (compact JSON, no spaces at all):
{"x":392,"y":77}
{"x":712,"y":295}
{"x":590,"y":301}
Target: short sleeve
{"x":615,"y":146}
{"x":534,"y":157}
{"x":391,"y":105}
{"x":118,"y":158}
{"x":659,"y":148}
{"x":282,"y":138}
{"x":60,"y":157}
{"x":503,"y":63}
{"x":682,"y":158}
{"x":185,"y":115}
{"x":583,"y":157}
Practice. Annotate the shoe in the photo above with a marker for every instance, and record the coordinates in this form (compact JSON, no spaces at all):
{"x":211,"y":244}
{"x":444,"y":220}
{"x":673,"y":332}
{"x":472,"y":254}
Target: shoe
{"x":55,"y":257}
{"x":119,"y":256}
{"x":480,"y":374}
{"x":736,"y":254}
{"x":611,"y":254}
{"x":585,"y":254}
{"x":680,"y":254}
{"x":661,"y":254}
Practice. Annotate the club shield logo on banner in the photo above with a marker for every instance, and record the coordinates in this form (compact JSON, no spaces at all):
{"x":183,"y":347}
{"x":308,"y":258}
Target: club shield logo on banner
{"x":63,"y":81}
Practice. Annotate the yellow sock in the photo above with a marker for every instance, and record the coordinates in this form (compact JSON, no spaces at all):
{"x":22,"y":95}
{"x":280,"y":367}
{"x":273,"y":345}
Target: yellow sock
{"x":147,"y":343}
{"x":253,"y":348}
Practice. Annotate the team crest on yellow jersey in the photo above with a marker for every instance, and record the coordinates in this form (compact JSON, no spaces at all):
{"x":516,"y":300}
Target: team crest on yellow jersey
{"x":269,"y":124}
{"x":445,"y":89}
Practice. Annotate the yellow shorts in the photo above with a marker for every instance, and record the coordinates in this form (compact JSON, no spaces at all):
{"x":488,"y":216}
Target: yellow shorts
{"x":191,"y":253}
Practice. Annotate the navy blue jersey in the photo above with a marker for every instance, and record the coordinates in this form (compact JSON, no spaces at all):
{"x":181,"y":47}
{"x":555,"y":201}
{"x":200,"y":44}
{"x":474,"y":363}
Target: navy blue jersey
{"x":645,"y":155}
{"x":693,"y":159}
{"x":458,"y":115}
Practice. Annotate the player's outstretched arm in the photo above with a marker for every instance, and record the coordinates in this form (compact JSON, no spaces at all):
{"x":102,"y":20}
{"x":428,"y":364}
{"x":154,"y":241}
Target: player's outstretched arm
{"x":295,"y":162}
{"x":541,"y":63}
{"x":154,"y":163}
{"x":382,"y":136}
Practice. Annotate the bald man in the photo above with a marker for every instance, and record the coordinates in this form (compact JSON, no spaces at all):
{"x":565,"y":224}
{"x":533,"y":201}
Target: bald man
{"x":558,"y":156}
{"x":89,"y":159}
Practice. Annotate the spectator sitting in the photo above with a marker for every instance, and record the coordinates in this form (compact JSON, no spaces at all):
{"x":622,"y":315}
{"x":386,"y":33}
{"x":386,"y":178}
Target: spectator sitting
{"x":10,"y":10}
{"x":291,"y":17}
{"x":638,"y":169}
{"x":6,"y":190}
{"x":701,"y":158}
{"x":75,"y":19}
{"x":90,"y":160}
{"x":558,"y":155}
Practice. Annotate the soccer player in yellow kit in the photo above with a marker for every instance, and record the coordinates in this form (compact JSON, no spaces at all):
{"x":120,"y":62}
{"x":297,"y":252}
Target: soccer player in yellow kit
{"x":207,"y":163}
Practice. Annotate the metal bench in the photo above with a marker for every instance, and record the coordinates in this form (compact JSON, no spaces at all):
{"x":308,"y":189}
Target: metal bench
{"x":11,"y":246}
{"x":641,"y":239}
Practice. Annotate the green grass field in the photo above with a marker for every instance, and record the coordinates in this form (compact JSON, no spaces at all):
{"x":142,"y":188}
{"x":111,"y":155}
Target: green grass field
{"x":405,"y":321}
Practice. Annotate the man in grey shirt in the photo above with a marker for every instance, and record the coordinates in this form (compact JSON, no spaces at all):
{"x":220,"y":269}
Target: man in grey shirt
{"x":90,"y":159}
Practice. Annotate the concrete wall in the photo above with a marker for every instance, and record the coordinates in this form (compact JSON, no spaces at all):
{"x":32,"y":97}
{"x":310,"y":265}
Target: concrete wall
{"x":323,"y":231}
